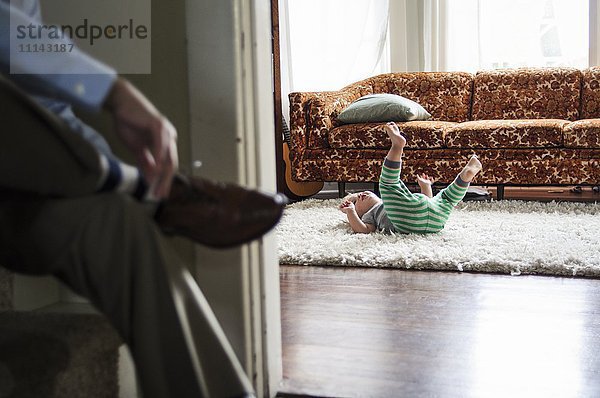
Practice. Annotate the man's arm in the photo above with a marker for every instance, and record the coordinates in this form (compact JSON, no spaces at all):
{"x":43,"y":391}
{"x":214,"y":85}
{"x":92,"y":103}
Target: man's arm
{"x":147,"y":134}
{"x":72,"y":76}
{"x":79,"y":79}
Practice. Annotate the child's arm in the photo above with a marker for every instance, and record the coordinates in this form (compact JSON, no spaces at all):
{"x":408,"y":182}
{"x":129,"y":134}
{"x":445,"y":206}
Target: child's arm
{"x":351,"y":197}
{"x":356,"y":223}
{"x":425,"y":182}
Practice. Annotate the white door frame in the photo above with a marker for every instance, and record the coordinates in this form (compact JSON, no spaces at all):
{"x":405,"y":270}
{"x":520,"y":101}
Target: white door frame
{"x":232,"y":134}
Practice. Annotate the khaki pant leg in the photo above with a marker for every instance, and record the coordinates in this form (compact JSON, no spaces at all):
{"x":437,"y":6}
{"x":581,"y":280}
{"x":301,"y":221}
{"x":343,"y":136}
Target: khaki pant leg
{"x":106,"y":248}
{"x":38,"y":153}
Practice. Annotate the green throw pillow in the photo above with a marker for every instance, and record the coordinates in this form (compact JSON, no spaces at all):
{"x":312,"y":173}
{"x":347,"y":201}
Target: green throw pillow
{"x":383,"y":108}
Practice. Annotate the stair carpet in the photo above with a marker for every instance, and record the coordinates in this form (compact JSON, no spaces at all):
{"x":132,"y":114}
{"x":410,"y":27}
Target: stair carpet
{"x":55,"y":354}
{"x":6,"y":289}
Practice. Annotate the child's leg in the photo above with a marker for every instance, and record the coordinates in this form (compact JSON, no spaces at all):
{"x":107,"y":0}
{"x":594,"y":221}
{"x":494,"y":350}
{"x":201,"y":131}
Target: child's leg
{"x":389,"y":179}
{"x":457,"y":190}
{"x":443,"y":203}
{"x":398,"y":143}
{"x":470,"y":170}
{"x":404,"y":208}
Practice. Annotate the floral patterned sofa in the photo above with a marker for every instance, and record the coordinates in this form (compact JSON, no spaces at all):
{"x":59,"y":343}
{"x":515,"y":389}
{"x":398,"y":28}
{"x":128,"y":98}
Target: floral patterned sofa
{"x":529,"y":126}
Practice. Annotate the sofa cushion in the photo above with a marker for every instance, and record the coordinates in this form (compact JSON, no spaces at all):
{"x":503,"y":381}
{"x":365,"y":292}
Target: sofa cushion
{"x":543,"y":133}
{"x":382,"y":108}
{"x":445,"y":95}
{"x":527,"y":93}
{"x":419,"y":134}
{"x":590,"y":94}
{"x":582,"y":134}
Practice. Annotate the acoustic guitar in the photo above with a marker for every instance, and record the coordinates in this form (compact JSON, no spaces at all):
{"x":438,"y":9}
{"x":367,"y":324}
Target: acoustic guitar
{"x":294,"y":189}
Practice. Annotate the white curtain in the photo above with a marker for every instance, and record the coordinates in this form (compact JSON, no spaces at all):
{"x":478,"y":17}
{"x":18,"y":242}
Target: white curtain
{"x":435,"y":33}
{"x":420,"y":34}
{"x":327,"y":44}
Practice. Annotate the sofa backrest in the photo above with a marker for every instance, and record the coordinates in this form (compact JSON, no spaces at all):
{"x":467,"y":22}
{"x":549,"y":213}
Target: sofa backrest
{"x":527,"y":93}
{"x":445,"y":95}
{"x":590,"y":94}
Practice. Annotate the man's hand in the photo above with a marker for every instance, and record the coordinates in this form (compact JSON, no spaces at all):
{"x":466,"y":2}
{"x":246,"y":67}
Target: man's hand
{"x":150,"y":137}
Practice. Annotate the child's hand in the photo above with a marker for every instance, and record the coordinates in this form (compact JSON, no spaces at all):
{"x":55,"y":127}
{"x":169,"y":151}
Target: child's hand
{"x":424,"y":179}
{"x":347,"y":207}
{"x":351,"y":197}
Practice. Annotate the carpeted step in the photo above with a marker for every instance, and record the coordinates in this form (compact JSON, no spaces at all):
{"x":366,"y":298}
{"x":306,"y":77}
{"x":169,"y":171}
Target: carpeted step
{"x":6,"y":289}
{"x":44,"y":354}
{"x":21,"y":292}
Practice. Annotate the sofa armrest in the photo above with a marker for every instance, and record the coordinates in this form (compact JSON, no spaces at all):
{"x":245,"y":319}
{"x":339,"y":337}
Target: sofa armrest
{"x":299,"y":103}
{"x":323,"y":111}
{"x":317,"y":113}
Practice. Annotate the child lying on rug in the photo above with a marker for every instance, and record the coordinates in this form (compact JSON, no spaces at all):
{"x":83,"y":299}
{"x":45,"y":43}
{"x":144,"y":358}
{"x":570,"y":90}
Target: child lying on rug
{"x":400,"y":210}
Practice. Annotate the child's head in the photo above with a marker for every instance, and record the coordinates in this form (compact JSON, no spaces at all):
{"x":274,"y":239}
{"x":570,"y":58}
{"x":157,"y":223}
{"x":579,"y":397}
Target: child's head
{"x":364,"y":201}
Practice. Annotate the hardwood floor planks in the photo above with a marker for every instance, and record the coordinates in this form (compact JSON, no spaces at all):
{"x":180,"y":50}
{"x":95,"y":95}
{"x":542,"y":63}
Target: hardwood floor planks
{"x":359,"y":332}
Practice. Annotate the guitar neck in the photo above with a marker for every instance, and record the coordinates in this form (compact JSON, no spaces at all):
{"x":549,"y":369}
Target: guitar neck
{"x":286,"y":131}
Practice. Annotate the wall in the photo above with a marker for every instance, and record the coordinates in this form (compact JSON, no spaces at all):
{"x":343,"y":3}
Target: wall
{"x":166,"y":86}
{"x":228,"y":75}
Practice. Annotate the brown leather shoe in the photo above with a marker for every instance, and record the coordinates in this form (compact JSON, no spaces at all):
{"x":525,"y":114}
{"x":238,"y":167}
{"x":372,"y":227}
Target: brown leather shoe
{"x":216,"y":214}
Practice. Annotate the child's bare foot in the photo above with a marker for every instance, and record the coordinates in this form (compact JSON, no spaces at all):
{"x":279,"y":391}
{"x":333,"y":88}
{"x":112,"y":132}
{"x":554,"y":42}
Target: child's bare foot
{"x":393,"y":132}
{"x":471,"y":169}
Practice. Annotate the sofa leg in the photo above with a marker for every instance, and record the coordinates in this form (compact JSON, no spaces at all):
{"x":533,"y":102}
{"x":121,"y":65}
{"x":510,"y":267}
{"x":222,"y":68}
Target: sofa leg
{"x":341,"y":189}
{"x":376,"y":189}
{"x":500,"y":192}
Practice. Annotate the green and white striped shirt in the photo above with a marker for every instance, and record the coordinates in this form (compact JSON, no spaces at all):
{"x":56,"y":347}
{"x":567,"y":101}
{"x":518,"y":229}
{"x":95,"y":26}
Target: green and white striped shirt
{"x":414,"y":212}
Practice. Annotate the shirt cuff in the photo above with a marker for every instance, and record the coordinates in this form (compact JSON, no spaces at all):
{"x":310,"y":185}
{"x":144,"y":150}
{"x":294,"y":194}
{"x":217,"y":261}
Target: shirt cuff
{"x":87,"y":91}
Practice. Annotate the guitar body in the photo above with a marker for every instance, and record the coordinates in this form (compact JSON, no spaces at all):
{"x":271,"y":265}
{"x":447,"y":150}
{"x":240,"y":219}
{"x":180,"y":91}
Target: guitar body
{"x":297,"y":190}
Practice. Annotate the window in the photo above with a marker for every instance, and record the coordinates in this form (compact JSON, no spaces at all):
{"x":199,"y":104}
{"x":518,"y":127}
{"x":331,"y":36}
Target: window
{"x":334,"y":42}
{"x":485,"y":34}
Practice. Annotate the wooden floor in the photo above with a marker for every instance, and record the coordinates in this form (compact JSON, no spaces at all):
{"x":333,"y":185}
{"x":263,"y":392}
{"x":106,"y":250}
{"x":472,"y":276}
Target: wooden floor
{"x":358,"y":332}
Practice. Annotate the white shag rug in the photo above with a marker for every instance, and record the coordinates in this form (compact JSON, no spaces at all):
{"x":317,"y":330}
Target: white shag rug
{"x":511,"y":237}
